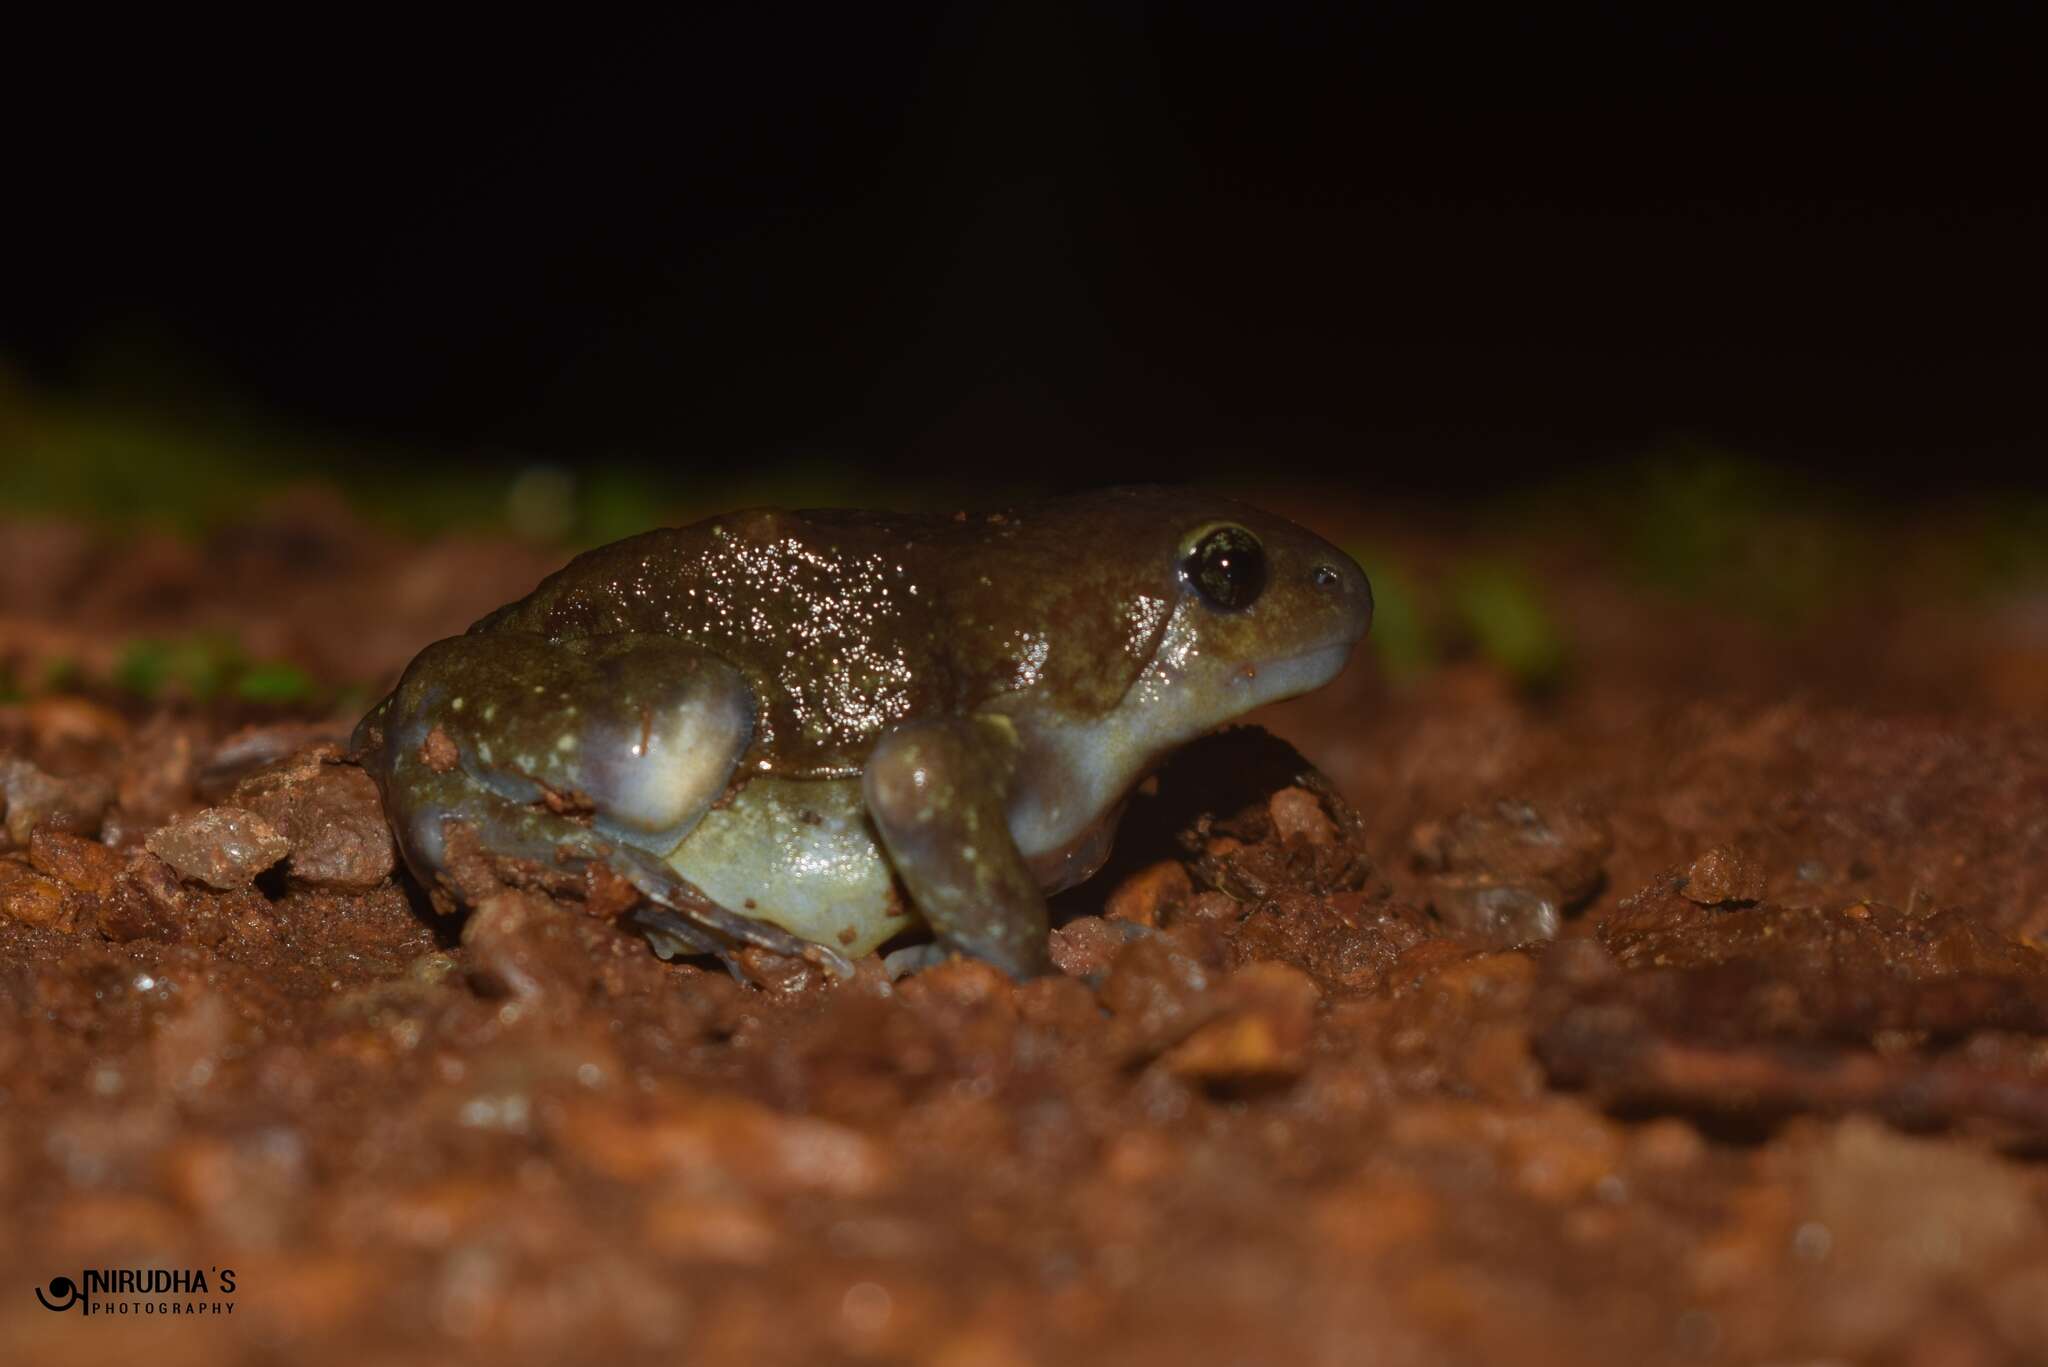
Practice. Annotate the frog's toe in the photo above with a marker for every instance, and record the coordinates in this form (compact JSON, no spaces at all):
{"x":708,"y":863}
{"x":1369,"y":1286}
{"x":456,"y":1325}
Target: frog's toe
{"x":671,"y":937}
{"x":689,"y":922}
{"x":900,"y":963}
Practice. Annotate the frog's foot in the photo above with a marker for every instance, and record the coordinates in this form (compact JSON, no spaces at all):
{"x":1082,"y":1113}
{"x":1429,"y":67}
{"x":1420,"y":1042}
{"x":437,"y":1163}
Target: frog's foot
{"x":680,"y":919}
{"x":901,"y":963}
{"x":672,"y":937}
{"x":936,"y":792}
{"x":563,"y":754}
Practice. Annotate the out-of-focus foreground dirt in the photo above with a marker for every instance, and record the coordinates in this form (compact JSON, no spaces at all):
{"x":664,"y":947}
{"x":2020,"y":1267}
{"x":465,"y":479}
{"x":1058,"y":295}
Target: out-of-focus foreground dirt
{"x":1690,"y":1009}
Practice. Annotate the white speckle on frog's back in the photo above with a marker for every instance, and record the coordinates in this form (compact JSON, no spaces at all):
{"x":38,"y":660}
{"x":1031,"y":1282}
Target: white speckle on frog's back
{"x":1030,"y":650}
{"x":810,"y":598}
{"x":797,"y":853}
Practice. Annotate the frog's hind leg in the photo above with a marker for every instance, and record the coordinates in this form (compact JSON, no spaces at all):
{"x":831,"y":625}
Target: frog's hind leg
{"x":608,"y":749}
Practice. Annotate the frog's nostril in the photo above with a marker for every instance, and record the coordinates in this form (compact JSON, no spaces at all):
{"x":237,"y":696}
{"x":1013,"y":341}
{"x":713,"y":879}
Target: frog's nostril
{"x":1327,"y":577}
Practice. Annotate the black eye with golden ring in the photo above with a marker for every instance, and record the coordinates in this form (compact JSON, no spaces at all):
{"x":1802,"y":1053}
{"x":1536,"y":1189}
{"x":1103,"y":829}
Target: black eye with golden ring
{"x":1227,"y":566}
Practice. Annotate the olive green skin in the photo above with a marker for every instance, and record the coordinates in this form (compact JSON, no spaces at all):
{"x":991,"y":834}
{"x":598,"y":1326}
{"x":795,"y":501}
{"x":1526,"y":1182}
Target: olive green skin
{"x":846,"y":622}
{"x":1059,"y":647}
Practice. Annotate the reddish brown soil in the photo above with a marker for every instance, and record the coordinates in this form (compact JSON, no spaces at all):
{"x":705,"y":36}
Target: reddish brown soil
{"x":1776,"y":1093}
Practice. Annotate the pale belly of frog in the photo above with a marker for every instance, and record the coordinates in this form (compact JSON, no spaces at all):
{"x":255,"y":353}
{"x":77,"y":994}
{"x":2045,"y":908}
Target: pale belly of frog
{"x":801,"y":854}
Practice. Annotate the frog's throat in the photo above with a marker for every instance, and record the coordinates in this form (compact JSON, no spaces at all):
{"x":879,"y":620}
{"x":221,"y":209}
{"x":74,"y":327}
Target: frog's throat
{"x":1083,"y":767}
{"x":1292,"y":675}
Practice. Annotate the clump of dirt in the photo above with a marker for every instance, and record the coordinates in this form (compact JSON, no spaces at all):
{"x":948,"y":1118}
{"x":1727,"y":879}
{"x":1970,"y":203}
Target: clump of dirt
{"x":1635,"y":1022}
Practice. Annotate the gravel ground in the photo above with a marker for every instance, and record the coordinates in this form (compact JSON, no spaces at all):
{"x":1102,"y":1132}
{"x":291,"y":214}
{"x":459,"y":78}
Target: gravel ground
{"x":1688,"y":1007}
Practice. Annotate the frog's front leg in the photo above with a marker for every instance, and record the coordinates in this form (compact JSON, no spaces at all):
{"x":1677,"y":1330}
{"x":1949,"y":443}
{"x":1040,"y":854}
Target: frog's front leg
{"x":607,"y":749}
{"x":938,"y":795}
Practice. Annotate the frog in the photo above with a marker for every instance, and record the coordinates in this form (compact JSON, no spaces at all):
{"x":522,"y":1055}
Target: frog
{"x":815,"y":732}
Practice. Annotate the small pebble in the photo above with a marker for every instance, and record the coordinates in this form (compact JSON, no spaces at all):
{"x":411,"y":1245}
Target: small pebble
{"x":1721,"y":877}
{"x":80,"y":864}
{"x":1143,"y":896}
{"x":332,"y":817}
{"x":31,"y":898}
{"x":1298,"y":815}
{"x":222,"y":847}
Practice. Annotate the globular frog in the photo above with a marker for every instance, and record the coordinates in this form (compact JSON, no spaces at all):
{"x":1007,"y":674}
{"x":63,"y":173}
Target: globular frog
{"x":804,"y":730}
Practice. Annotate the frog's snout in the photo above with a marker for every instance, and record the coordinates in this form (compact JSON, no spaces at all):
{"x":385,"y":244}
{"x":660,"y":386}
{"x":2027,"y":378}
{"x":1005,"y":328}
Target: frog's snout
{"x":1339,"y":581}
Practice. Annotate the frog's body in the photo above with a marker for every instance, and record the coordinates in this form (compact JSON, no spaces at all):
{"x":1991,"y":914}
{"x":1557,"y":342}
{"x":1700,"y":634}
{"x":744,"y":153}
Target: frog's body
{"x":766,"y":720}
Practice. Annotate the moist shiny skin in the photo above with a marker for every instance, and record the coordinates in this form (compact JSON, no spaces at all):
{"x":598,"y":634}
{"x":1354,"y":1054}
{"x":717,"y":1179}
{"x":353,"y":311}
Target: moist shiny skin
{"x":832,"y":722}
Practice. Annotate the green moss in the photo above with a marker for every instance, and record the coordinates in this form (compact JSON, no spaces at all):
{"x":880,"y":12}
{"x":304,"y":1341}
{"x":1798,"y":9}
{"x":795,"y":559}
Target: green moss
{"x":143,"y":668}
{"x":1709,"y":523}
{"x":1500,"y":606}
{"x":63,"y":676}
{"x":274,"y":682}
{"x":196,"y":667}
{"x":611,"y":504}
{"x":208,"y":666}
{"x":2011,"y":544}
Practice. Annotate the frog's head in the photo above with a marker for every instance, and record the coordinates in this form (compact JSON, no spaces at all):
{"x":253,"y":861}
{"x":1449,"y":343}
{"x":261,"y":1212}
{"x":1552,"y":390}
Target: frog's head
{"x":1176,"y":611}
{"x":1130,"y":621}
{"x":1260,"y":609}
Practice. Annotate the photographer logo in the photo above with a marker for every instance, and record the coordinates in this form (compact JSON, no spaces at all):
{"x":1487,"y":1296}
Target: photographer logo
{"x":142,"y":1291}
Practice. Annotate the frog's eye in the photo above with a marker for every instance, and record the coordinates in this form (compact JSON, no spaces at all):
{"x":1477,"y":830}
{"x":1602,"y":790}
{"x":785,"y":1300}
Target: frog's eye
{"x":1227,"y":566}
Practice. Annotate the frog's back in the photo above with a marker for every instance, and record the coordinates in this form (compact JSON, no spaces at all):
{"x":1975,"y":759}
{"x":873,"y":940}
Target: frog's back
{"x":827,"y":613}
{"x":846,"y":622}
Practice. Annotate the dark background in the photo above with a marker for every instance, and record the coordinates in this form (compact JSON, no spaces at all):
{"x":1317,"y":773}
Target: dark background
{"x":1405,"y":245}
